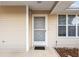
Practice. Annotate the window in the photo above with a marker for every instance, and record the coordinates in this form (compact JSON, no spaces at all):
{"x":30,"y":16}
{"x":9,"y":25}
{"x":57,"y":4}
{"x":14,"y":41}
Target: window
{"x":66,"y":27}
{"x":62,"y":31}
{"x":62,"y":20}
{"x":78,"y":28}
{"x":62,"y":25}
{"x":71,"y":27}
{"x":71,"y":30}
{"x":78,"y":31}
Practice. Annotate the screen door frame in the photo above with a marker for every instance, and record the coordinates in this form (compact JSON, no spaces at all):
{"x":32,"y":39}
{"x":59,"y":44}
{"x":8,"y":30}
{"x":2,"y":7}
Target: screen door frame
{"x":40,"y":43}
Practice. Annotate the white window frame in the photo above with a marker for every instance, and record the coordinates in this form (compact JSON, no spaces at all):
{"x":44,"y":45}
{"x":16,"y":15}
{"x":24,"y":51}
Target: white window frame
{"x":46,"y":28}
{"x":67,"y":27}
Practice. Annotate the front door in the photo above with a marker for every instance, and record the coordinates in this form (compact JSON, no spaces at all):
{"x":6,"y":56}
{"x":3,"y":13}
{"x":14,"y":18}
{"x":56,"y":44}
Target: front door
{"x":39,"y":31}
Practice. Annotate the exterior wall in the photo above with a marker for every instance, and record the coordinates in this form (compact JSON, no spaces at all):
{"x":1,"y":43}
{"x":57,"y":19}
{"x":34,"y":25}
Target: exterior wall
{"x":52,"y":30}
{"x":52,"y":36}
{"x":40,"y":11}
{"x":30,"y":29}
{"x":12,"y":28}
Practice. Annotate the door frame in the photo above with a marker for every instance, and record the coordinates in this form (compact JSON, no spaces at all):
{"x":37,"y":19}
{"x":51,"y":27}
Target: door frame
{"x":46,"y":27}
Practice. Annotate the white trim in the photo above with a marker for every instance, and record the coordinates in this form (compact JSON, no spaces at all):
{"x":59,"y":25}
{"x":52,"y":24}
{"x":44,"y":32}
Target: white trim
{"x":57,"y":26}
{"x":66,"y":25}
{"x":27,"y":28}
{"x":46,"y":28}
{"x":76,"y":28}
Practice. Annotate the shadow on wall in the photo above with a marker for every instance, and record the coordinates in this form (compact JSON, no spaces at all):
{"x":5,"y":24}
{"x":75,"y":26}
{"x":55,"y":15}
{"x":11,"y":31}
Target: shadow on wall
{"x":12,"y":9}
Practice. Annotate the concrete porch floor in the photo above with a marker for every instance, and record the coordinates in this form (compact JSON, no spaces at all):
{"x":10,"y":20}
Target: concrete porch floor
{"x":31,"y":53}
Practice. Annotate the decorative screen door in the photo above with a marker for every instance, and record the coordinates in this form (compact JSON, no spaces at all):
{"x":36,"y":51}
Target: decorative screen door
{"x":39,"y":30}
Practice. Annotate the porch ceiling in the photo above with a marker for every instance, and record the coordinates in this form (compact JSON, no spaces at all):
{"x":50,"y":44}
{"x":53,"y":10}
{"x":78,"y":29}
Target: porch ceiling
{"x":62,"y":8}
{"x":34,"y":5}
{"x":53,"y":7}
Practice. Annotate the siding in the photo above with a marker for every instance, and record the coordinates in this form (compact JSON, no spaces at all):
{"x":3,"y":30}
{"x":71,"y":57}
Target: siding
{"x":12,"y":28}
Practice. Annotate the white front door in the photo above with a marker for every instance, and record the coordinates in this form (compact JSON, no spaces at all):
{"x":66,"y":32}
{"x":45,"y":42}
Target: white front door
{"x":39,"y":30}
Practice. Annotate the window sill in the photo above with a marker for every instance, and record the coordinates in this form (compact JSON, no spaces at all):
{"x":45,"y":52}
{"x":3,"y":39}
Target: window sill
{"x":71,"y":37}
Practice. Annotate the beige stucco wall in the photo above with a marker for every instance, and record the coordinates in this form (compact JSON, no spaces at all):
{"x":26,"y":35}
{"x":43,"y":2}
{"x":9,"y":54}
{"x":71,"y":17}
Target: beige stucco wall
{"x":12,"y":28}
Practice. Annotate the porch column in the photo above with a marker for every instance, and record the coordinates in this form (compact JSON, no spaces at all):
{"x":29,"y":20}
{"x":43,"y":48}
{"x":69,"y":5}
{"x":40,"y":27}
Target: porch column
{"x":27,"y":28}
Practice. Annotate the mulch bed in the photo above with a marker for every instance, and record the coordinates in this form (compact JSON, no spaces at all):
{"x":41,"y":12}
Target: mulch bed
{"x":64,"y":52}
